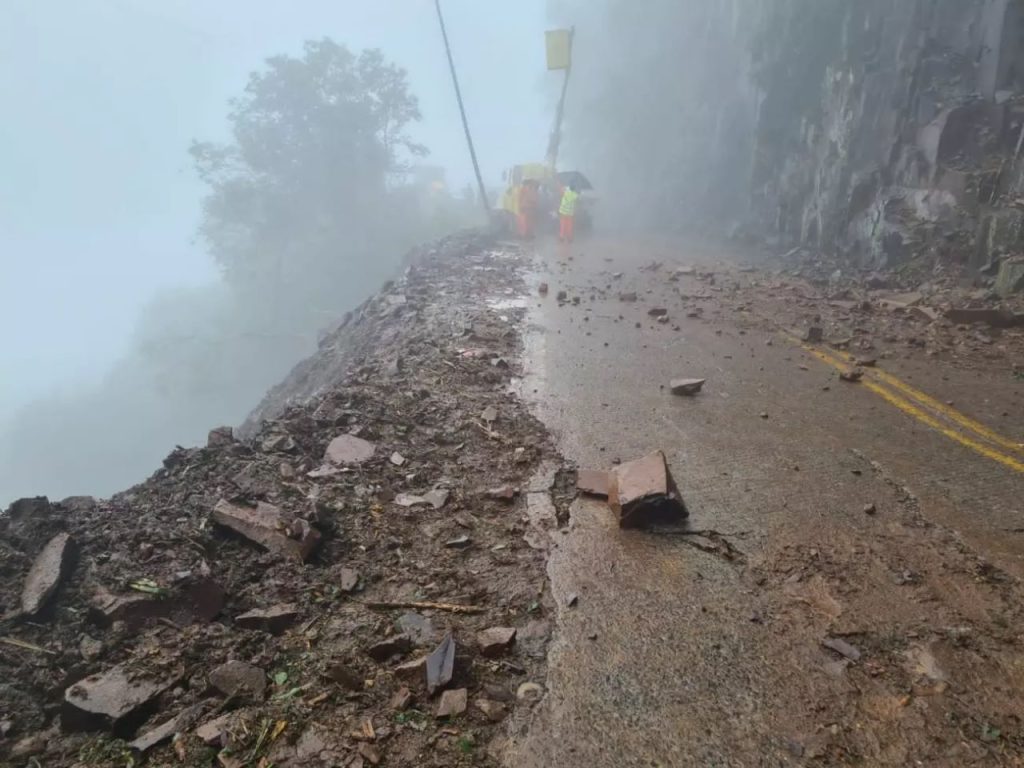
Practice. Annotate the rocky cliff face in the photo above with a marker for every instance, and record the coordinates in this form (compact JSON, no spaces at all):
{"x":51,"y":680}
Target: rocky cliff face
{"x":890,"y":129}
{"x":881,"y":130}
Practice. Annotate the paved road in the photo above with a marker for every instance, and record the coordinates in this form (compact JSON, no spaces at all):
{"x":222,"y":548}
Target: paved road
{"x":680,"y":656}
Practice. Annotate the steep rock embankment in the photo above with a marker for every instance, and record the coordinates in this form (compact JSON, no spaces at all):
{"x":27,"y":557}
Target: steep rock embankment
{"x":891,"y":129}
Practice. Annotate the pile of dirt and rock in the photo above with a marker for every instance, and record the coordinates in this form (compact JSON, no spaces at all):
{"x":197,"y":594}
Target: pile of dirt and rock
{"x":356,"y":583}
{"x":939,"y":309}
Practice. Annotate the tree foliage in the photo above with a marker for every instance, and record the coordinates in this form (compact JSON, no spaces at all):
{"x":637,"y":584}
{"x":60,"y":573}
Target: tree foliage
{"x":302,"y":198}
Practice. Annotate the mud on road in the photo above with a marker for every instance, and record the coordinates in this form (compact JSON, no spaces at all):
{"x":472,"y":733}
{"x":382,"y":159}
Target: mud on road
{"x":873,"y":614}
{"x":397,"y":513}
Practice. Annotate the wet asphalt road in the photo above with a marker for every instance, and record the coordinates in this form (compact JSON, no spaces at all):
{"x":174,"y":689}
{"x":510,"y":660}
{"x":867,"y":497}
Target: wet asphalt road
{"x":675,"y":656}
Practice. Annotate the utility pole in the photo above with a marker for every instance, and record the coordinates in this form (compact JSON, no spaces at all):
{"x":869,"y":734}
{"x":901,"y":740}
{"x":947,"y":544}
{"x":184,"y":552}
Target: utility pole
{"x":462,"y":111}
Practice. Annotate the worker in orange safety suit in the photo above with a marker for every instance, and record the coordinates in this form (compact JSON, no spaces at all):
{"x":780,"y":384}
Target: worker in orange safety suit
{"x":527,"y":205}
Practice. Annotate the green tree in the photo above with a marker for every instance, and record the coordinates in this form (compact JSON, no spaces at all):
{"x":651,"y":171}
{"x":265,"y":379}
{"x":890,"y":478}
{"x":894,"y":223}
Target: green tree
{"x":304,"y":202}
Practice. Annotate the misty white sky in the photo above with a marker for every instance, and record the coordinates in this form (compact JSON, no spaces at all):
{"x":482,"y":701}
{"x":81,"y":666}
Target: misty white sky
{"x":98,"y":201}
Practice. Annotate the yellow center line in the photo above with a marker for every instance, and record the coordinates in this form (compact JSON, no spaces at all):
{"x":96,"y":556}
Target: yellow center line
{"x":912,"y":410}
{"x":951,"y":413}
{"x":930,"y":402}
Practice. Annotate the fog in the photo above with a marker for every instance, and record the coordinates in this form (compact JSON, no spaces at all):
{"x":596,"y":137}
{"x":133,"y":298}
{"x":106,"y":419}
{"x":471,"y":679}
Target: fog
{"x":172,"y":245}
{"x":134,"y":314}
{"x":662,"y":110}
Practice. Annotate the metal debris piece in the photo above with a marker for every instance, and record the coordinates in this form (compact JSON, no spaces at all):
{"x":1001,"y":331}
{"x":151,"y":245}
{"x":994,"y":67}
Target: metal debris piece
{"x":643,"y":491}
{"x":441,"y":664}
{"x":814,"y":334}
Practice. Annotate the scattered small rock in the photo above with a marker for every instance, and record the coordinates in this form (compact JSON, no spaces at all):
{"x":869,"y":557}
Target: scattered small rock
{"x":495,"y":641}
{"x":686,"y":386}
{"x":503,"y":493}
{"x":46,"y":573}
{"x":344,"y":676}
{"x":90,"y":648}
{"x":370,"y":753}
{"x":494,"y":711}
{"x":452,"y":703}
{"x":234,"y":678}
{"x":346,"y":450}
{"x":643,"y":491}
{"x":348,"y":580}
{"x":841,"y":647}
{"x":266,"y":525}
{"x":117,"y":700}
{"x":218,"y":437}
{"x":273,"y":620}
{"x":391,"y":646}
{"x":402,"y":699}
{"x":529,"y":693}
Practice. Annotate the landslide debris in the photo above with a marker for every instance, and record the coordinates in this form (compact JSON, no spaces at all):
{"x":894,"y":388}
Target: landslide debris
{"x":249,"y":604}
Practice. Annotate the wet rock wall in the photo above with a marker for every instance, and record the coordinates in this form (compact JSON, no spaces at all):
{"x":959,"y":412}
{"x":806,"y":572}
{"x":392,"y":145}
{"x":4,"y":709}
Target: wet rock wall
{"x":890,"y":129}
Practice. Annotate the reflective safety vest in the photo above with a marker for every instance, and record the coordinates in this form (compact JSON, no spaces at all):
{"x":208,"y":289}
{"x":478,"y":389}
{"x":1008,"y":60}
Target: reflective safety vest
{"x":568,"y":205}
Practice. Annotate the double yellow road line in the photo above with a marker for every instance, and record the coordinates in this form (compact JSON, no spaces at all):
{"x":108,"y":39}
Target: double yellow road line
{"x":929,"y":411}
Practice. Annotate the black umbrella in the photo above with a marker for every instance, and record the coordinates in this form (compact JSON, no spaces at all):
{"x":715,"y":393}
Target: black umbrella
{"x":575,"y":179}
